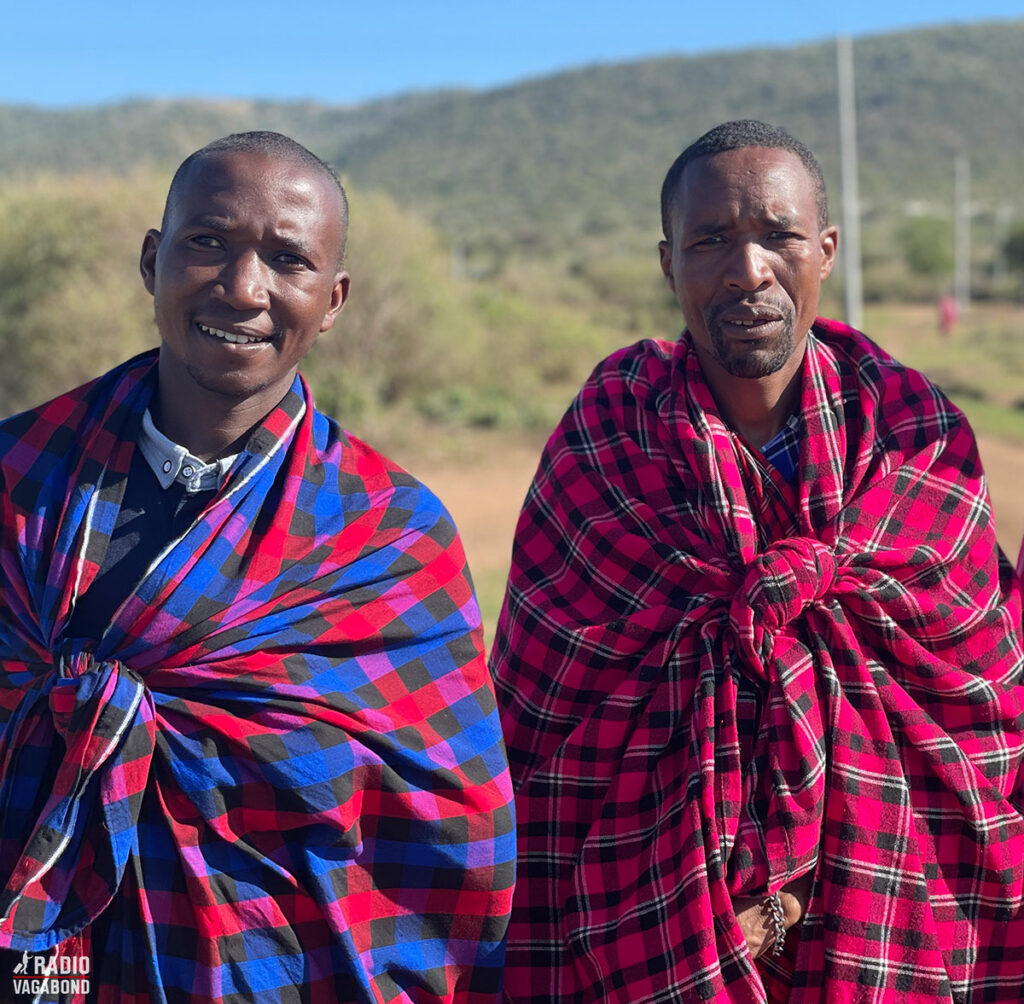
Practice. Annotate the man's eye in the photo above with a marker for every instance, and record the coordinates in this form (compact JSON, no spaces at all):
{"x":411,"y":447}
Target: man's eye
{"x":710,"y":241}
{"x":781,"y":235}
{"x":205,"y":241}
{"x":292,"y":260}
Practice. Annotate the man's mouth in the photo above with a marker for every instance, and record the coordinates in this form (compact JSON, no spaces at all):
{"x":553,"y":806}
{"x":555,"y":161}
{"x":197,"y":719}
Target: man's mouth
{"x":754,"y":320}
{"x":755,"y":327}
{"x":749,"y":318}
{"x":232,"y":337}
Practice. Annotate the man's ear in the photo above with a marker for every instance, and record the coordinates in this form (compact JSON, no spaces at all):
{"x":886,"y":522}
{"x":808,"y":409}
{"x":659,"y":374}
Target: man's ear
{"x":829,"y":246}
{"x":665,"y":254}
{"x":147,"y":260}
{"x":339,"y":294}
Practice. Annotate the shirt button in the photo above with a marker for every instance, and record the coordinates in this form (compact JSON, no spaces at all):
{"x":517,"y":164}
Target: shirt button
{"x":167,"y":467}
{"x":188,"y":470}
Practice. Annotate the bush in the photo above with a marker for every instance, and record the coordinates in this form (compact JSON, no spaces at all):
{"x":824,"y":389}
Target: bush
{"x":71,"y":301}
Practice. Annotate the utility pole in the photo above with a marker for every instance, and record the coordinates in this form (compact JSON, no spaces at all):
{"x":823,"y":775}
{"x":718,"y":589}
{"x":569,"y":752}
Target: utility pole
{"x":849,"y":247}
{"x":1003,"y":218}
{"x":962,"y":231}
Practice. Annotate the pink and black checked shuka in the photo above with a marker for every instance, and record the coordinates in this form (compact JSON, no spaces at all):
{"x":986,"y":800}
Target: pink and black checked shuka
{"x":667,"y":588}
{"x":279,"y":776}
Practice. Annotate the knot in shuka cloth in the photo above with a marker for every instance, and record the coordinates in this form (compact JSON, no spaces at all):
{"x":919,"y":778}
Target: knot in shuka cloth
{"x":101,"y":728}
{"x":278,"y":770}
{"x":714,"y":681}
{"x":778,"y":585}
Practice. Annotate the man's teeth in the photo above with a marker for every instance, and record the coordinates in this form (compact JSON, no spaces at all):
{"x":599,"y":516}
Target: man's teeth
{"x":229,"y":336}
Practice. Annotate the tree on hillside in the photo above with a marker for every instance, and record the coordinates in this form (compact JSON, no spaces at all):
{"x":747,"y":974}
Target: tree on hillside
{"x":927,"y":245}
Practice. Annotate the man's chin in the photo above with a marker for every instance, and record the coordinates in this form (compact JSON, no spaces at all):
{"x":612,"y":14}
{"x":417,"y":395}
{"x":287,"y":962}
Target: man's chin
{"x":237,"y":386}
{"x":755,"y":365}
{"x":752,"y":362}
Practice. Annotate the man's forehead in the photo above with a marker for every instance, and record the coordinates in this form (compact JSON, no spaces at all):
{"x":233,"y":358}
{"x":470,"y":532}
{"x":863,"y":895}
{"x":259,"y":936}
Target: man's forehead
{"x":248,"y":173}
{"x":757,"y":182}
{"x":233,"y":186}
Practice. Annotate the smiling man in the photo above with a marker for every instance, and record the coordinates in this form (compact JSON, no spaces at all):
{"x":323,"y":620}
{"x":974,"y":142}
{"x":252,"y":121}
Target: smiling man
{"x":760,"y":657}
{"x":245,"y":272}
{"x":248,"y":742}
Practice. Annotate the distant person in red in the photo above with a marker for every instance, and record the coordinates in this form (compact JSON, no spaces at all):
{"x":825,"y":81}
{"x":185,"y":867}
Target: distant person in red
{"x":949,"y":314}
{"x":760,"y":657}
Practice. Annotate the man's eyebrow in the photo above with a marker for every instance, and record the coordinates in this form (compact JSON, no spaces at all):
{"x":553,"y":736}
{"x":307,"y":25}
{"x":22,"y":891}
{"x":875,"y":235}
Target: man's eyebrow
{"x":218,"y":223}
{"x":293,"y":245}
{"x":224,"y":225}
{"x":704,"y":229}
{"x":782,"y":221}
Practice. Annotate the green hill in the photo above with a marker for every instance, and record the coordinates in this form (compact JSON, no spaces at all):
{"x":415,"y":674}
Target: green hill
{"x":586,"y":151}
{"x":535,"y":166}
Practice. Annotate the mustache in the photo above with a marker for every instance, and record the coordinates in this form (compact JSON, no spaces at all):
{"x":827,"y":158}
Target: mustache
{"x":756,"y":309}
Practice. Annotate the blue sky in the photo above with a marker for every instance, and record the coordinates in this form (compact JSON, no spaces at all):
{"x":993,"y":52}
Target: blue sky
{"x":66,"y":54}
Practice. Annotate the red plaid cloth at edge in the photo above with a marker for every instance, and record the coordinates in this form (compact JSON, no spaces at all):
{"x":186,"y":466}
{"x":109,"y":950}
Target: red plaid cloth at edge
{"x":661,"y":569}
{"x":278,"y":776}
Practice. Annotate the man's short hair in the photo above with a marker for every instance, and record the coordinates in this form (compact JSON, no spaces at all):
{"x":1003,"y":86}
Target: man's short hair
{"x":738,"y":135}
{"x":269,"y":144}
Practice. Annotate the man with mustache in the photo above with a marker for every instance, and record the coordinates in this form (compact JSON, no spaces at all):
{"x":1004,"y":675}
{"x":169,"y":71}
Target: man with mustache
{"x":760,"y":657}
{"x":249,"y":749}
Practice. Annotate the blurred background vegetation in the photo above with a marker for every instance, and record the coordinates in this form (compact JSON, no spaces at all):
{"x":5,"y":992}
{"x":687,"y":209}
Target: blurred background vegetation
{"x":503,"y":241}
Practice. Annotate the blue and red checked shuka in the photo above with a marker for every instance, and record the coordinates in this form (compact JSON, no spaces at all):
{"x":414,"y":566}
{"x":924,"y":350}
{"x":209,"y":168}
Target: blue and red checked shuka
{"x":279,"y":775}
{"x":669,"y":591}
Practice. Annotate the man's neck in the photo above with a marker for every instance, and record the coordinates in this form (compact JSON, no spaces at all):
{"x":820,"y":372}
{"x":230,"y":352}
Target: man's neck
{"x":207,"y":424}
{"x":761,"y":421}
{"x":212,"y":441}
{"x":206,"y":432}
{"x":756,"y":409}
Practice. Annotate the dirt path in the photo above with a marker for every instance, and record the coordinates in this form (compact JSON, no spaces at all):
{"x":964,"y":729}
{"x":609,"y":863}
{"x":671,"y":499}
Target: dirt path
{"x":484,"y":495}
{"x":484,"y":491}
{"x":1004,"y":467}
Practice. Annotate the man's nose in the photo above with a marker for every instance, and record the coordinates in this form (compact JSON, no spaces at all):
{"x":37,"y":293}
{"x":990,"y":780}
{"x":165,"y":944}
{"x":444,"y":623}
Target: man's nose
{"x":749,"y":267}
{"x":243,"y":283}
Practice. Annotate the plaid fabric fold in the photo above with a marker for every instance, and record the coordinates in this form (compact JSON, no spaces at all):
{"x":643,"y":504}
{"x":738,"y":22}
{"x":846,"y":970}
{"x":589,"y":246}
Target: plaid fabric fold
{"x":278,"y":775}
{"x":662,"y":571}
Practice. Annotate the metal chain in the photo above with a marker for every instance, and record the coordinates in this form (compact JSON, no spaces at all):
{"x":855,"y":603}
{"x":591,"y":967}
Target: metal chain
{"x":776,"y":922}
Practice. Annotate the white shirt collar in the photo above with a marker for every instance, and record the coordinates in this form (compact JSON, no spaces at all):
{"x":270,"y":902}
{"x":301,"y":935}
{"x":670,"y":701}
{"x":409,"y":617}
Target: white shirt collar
{"x":171,"y":462}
